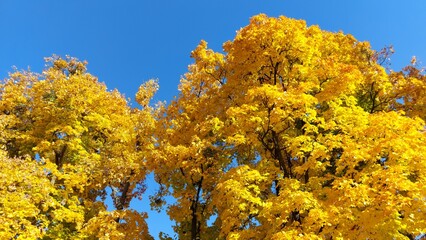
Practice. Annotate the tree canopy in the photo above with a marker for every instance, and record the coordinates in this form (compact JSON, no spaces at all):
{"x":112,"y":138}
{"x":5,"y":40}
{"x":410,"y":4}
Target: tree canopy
{"x":65,"y":140}
{"x":291,"y":132}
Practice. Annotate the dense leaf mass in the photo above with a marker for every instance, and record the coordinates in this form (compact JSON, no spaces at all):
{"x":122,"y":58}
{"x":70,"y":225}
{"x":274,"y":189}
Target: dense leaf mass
{"x":291,"y":133}
{"x":65,"y":140}
{"x":294,"y":132}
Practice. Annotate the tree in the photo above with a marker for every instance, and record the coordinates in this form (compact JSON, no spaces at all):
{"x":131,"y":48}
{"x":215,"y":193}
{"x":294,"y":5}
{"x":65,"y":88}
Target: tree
{"x":190,"y":151}
{"x":65,"y":140}
{"x":294,"y":133}
{"x":291,"y":133}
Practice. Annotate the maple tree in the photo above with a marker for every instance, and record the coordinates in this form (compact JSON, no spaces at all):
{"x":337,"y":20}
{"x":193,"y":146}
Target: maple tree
{"x":294,"y":133}
{"x":64,"y":141}
{"x":291,"y":133}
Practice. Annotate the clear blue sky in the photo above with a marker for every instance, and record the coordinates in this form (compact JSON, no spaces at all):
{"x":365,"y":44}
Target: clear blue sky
{"x":129,"y":42}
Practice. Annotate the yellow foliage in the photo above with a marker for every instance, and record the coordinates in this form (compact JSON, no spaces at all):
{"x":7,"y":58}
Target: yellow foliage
{"x":64,"y":141}
{"x":308,"y":136}
{"x":292,"y":133}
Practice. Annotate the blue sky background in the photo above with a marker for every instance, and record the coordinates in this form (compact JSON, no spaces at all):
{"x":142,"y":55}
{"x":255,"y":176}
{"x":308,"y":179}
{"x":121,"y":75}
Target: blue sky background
{"x":129,"y":42}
